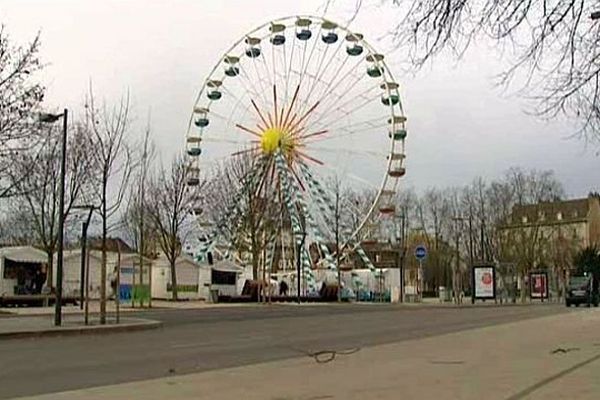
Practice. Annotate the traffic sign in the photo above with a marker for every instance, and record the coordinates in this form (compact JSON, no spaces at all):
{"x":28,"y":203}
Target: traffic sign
{"x":420,"y":252}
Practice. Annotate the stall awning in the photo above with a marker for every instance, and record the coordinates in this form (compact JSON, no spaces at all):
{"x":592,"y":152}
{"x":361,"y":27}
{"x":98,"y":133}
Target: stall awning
{"x":226,"y":266}
{"x":24,"y":254}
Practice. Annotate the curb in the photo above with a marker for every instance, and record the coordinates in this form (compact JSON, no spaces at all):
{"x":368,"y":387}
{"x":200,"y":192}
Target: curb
{"x":83,"y":330}
{"x":478,"y":305}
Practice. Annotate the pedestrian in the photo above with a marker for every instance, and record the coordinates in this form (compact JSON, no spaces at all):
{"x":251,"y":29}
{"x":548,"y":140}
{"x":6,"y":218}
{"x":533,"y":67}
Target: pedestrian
{"x":283,"y":288}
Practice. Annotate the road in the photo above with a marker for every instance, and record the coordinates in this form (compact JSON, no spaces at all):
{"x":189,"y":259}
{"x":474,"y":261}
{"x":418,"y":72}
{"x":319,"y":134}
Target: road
{"x":200,"y":340}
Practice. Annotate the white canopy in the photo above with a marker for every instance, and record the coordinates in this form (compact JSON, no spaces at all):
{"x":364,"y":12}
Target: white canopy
{"x":227,"y":266}
{"x":24,"y":254}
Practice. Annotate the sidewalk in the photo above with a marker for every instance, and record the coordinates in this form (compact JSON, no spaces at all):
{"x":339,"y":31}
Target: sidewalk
{"x":555,"y":357}
{"x":20,"y":327}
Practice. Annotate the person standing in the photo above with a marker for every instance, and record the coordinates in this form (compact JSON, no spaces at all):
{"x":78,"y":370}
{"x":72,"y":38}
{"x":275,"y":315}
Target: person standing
{"x":283,"y":288}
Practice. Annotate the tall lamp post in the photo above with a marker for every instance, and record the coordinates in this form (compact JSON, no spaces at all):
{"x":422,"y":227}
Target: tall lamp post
{"x":51,"y":118}
{"x":401,"y":243}
{"x":470,"y":220}
{"x":84,"y":229}
{"x":299,"y":262}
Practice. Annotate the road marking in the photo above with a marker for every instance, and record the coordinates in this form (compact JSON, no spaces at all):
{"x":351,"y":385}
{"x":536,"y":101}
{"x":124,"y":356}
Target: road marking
{"x":527,"y":391}
{"x":190,"y":345}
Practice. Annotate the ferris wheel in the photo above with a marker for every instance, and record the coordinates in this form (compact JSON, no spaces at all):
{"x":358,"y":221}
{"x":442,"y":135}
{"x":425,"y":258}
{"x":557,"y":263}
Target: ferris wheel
{"x":304,"y":100}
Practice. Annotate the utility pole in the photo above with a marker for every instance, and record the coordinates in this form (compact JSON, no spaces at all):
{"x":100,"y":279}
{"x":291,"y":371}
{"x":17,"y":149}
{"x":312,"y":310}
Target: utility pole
{"x":50,"y":118}
{"x":337,"y":240}
{"x":84,"y":229}
{"x":456,"y":270}
{"x":299,"y":262}
{"x":401,"y":246}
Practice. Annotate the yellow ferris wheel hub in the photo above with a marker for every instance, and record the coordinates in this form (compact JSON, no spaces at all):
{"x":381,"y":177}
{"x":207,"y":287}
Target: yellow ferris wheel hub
{"x":274,"y":139}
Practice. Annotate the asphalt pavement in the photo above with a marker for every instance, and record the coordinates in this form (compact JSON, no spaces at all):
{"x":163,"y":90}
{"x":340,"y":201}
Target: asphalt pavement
{"x":200,"y":340}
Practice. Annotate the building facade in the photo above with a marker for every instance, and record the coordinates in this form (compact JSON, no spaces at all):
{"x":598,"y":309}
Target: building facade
{"x":550,"y":233}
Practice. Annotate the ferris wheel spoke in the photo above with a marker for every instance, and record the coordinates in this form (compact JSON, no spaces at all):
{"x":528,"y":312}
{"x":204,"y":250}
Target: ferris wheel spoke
{"x":328,"y":94}
{"x":248,"y":83}
{"x":251,"y":91}
{"x":348,"y":132}
{"x":333,"y":101}
{"x":259,"y":82}
{"x":285,"y":69}
{"x":316,"y":73}
{"x":372,"y":153}
{"x":239,"y":102}
{"x":323,"y":121}
{"x":313,"y":134}
{"x":304,"y":66}
{"x":322,"y":94}
{"x":265,"y":64}
{"x":319,"y":73}
{"x":310,"y":158}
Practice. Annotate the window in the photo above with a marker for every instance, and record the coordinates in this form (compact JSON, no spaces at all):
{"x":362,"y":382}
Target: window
{"x":223,"y":278}
{"x":524,"y":219}
{"x":559,"y":216}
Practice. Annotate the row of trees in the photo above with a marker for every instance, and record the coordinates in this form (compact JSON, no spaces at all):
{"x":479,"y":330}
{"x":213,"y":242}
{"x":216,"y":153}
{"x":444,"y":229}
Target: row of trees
{"x":108,"y":166}
{"x":473,"y":223}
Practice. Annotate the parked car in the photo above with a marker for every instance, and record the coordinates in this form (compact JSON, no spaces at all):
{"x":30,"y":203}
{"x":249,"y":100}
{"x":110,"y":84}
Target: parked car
{"x":582,"y":290}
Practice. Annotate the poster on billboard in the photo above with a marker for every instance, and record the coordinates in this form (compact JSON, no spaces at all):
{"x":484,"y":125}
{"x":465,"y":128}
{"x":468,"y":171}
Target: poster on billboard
{"x":484,"y":282}
{"x":538,"y":282}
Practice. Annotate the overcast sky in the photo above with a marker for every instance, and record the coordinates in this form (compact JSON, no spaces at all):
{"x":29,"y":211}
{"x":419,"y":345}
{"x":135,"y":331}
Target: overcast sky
{"x":460,"y":125}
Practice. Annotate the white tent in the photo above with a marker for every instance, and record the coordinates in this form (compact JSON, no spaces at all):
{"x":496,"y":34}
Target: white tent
{"x":22,"y":255}
{"x":188,"y":278}
{"x":214,"y":281}
{"x":72,"y":271}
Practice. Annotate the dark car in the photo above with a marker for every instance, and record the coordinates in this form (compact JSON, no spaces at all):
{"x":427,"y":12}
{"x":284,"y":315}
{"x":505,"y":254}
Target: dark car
{"x":582,"y":290}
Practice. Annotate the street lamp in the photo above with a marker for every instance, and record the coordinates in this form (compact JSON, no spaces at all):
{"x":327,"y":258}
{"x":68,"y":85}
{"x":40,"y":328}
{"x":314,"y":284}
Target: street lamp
{"x":84,"y":229}
{"x":298,"y":263}
{"x":400,"y":254}
{"x":470,"y":220}
{"x":51,"y":118}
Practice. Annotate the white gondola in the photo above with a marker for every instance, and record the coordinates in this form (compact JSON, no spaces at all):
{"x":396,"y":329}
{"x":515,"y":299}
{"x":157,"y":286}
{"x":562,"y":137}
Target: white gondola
{"x":354,"y":48}
{"x":232,"y":66}
{"x":390,"y":95}
{"x":329,"y":36}
{"x":374,"y":69}
{"x":397,"y":169}
{"x":386,"y":208}
{"x":303,"y":31}
{"x":253,"y":48}
{"x":193,"y":176}
{"x":277,"y":38}
{"x":214,"y":92}
{"x":201,"y":120}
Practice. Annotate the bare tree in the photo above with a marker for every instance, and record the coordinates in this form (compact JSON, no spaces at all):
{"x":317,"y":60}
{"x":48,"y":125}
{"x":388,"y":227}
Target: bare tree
{"x":36,"y":177}
{"x":15,"y":228}
{"x":552,"y":46}
{"x":113,"y":162}
{"x":170,"y":204}
{"x":135,"y":219}
{"x":251,"y":231}
{"x":20,"y":98}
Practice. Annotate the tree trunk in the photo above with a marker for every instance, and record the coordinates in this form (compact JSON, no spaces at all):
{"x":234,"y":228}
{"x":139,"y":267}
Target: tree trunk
{"x":255,"y":260}
{"x":523,"y":288}
{"x":50,"y":267}
{"x":173,"y":279}
{"x":103,"y":266}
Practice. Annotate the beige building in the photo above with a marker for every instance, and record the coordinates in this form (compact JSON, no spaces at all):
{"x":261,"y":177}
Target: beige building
{"x":578,"y":219}
{"x":550,"y":233}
